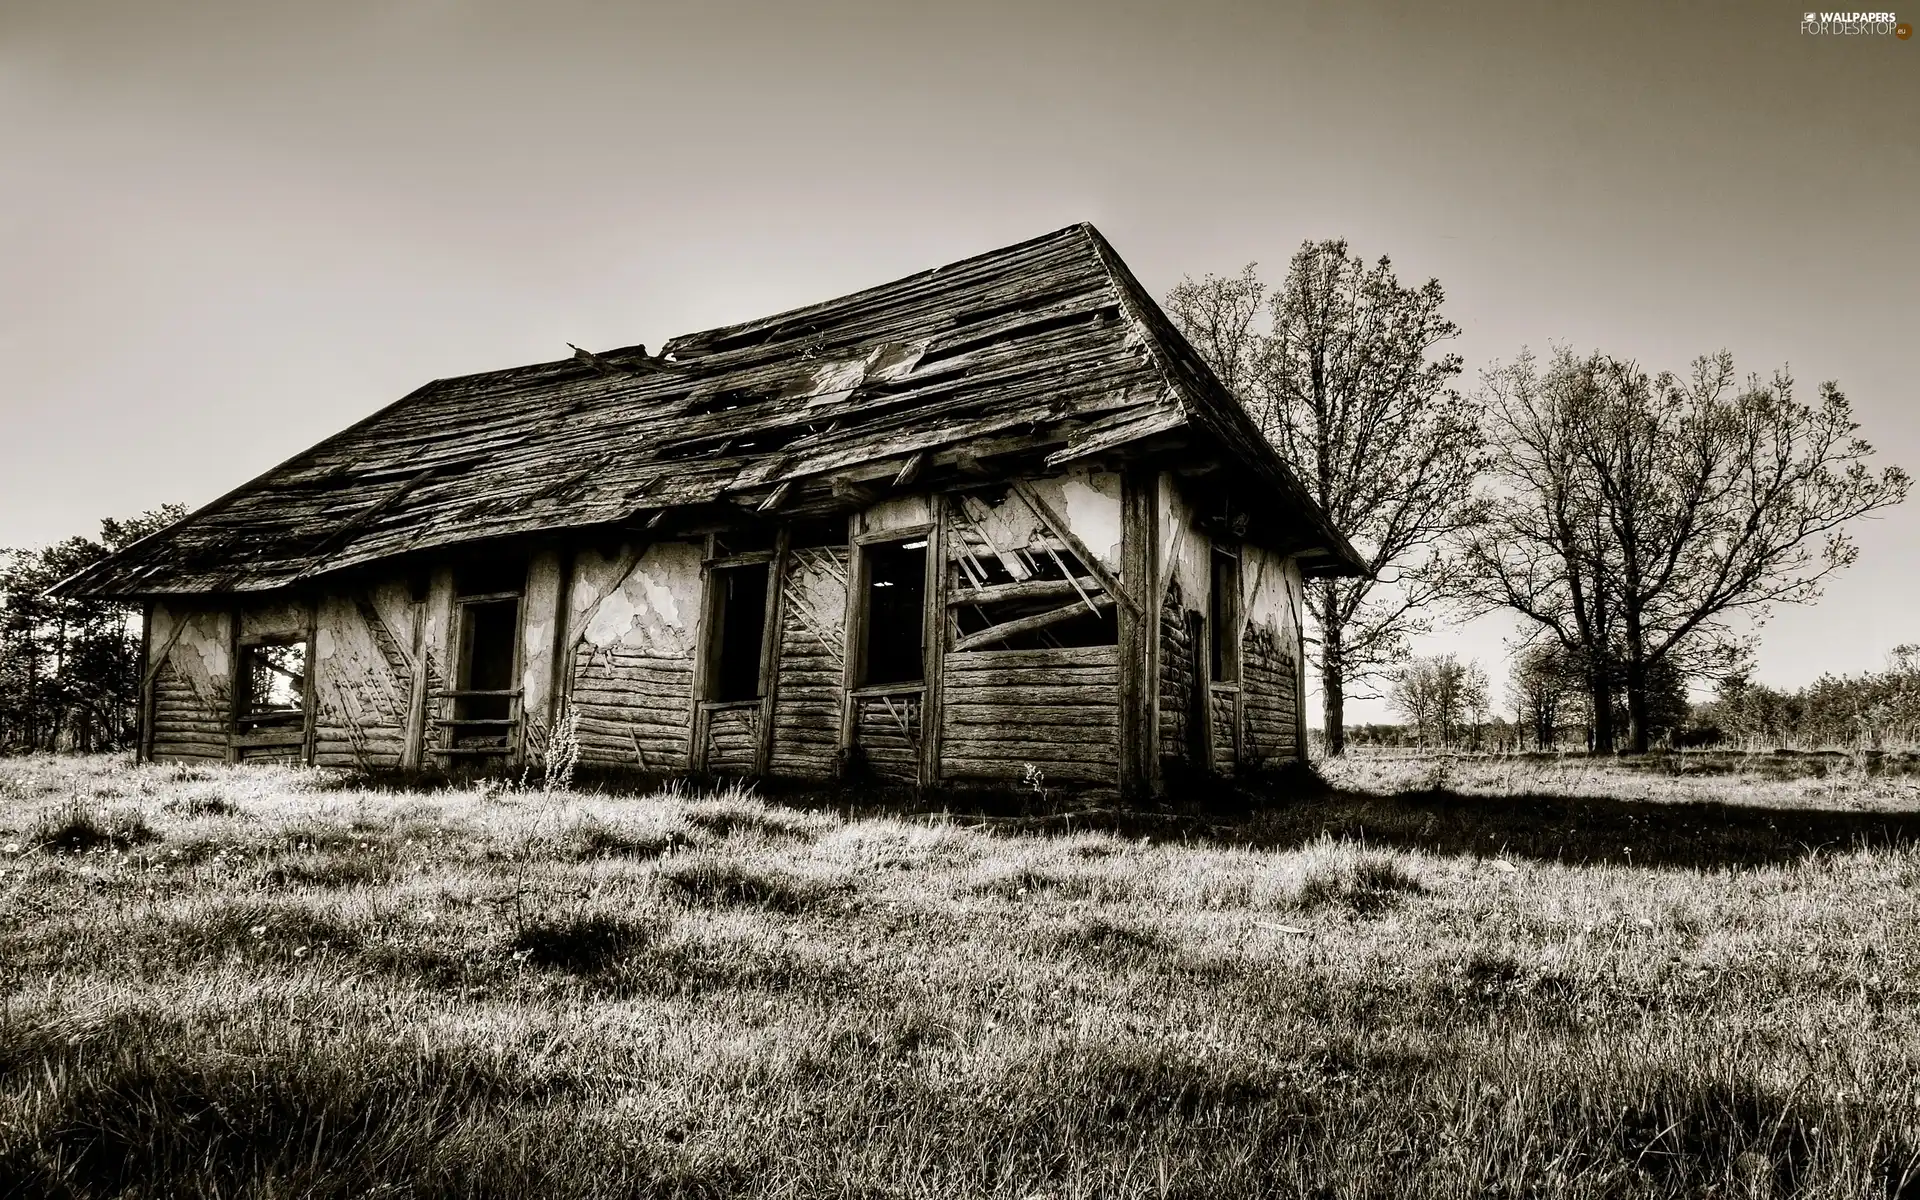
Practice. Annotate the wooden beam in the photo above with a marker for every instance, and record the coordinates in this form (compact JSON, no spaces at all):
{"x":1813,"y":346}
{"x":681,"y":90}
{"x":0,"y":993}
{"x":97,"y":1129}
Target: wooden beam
{"x":1059,"y":529}
{"x":1031,"y":589}
{"x":770,"y":646}
{"x":413,"y":749}
{"x":1007,"y":629}
{"x":143,"y":746}
{"x":560,"y":668}
{"x":1139,"y":633}
{"x":910,"y":470}
{"x":309,"y":719}
{"x":855,"y":632}
{"x":934,"y":642}
{"x":233,"y":682}
{"x":776,"y":497}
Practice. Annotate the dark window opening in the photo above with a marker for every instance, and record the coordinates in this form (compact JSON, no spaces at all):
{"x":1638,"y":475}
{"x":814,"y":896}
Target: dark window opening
{"x":896,"y":593}
{"x":1223,"y":624}
{"x":740,"y":618}
{"x":489,"y":631}
{"x":273,"y":679}
{"x":814,"y":534}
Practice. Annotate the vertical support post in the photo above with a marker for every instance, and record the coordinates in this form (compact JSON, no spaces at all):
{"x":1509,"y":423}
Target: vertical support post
{"x":770,"y":648}
{"x":309,"y":718}
{"x":560,"y":681}
{"x":233,"y":683}
{"x":143,"y":714}
{"x":856,"y":634}
{"x":934,"y":646}
{"x":413,"y":748}
{"x":1138,"y":762}
{"x":706,"y":644}
{"x":438,"y":640}
{"x":1297,"y":590}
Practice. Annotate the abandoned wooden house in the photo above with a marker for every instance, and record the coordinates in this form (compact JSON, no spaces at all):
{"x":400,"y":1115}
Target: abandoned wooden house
{"x":992,"y":519}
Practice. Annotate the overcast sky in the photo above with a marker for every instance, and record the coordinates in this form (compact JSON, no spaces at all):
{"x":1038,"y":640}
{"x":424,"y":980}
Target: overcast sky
{"x":229,"y":229}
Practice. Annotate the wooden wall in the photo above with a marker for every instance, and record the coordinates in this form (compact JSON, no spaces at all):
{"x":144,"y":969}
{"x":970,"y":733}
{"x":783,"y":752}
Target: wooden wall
{"x":612,"y":634}
{"x":1270,"y":658}
{"x":192,"y":671}
{"x":1055,"y":710}
{"x":632,"y":625}
{"x":813,"y":656}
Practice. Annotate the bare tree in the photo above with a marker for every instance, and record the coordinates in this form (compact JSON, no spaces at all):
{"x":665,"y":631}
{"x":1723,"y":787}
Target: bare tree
{"x":1644,"y":516}
{"x":1346,"y":383}
{"x":1543,"y":679}
{"x":1441,"y":697}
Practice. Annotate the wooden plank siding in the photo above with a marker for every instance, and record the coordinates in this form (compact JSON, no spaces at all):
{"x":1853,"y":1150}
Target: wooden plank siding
{"x":1270,"y":717}
{"x":886,"y":734}
{"x":813,"y":651}
{"x":1058,"y":710}
{"x":634,"y":709}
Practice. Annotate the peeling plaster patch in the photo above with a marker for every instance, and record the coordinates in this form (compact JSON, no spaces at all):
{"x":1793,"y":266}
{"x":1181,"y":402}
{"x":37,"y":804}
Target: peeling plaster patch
{"x":898,"y":513}
{"x":646,"y":612}
{"x":1091,"y":506}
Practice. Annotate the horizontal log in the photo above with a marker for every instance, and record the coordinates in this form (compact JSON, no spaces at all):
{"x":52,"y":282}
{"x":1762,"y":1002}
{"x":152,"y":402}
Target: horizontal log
{"x":1033,"y":716}
{"x":1020,"y":625}
{"x":954,"y":767}
{"x":1068,"y":742}
{"x":1031,"y":589}
{"x":1038,"y":693}
{"x":959,"y":684}
{"x":1050,"y":659}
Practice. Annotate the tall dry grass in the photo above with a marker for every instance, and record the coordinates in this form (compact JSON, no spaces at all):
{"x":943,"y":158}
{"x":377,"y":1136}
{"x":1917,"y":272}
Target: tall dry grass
{"x":288,"y":987}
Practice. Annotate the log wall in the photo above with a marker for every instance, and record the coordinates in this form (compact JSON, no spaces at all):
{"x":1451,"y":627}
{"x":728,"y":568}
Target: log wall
{"x":813,"y":655}
{"x":1058,"y":710}
{"x":363,"y":658}
{"x":632,"y":621}
{"x":191,"y":682}
{"x":1270,"y":658}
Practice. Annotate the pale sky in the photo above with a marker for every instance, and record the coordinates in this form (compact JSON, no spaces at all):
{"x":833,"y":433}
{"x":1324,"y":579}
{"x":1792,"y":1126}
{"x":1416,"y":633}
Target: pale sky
{"x":228,"y":229}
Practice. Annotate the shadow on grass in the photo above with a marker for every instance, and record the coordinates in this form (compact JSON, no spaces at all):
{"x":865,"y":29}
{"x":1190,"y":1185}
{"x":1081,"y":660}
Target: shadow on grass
{"x":1295,"y":806}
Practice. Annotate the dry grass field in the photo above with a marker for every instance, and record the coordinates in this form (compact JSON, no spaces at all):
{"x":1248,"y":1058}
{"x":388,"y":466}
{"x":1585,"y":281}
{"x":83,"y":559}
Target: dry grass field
{"x":1426,"y":980}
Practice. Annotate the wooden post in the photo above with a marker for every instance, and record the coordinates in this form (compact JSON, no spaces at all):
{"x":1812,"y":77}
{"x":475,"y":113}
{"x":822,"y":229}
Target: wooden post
{"x":856,"y":633}
{"x":560,"y":681}
{"x":143,"y":731}
{"x":413,"y":749}
{"x":308,"y":718}
{"x":1299,"y":661}
{"x":770,"y":648}
{"x":1139,"y":764}
{"x":233,"y":682}
{"x":934,"y":644}
{"x":705,"y":647}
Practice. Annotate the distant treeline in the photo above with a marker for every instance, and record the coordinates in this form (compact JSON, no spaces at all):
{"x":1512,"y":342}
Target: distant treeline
{"x":69,"y":669}
{"x":1547,"y":710}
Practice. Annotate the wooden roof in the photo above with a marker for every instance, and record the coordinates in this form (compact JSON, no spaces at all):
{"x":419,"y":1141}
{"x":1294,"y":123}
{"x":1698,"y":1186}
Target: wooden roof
{"x":1049,"y":348}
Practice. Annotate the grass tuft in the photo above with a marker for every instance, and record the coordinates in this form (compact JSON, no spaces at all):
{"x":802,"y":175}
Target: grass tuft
{"x":729,"y":882}
{"x":1366,"y":885}
{"x":583,"y":944}
{"x":77,"y":829}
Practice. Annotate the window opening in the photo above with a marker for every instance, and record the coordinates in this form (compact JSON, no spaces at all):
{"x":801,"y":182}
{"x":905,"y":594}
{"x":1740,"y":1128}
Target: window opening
{"x":484,"y":706}
{"x":1224,"y":616}
{"x":1009,"y":594}
{"x":896,"y":594}
{"x":740,"y":617}
{"x":274,"y":678}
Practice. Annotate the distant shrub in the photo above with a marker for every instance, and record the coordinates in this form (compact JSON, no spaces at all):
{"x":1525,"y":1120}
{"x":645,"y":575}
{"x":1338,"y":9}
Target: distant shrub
{"x":77,"y":829}
{"x":720,"y":881}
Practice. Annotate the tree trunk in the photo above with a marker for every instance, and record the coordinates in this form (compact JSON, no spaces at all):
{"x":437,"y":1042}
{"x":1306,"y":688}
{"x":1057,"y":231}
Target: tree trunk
{"x":1333,"y":683}
{"x":1601,"y":692}
{"x":1637,"y":734}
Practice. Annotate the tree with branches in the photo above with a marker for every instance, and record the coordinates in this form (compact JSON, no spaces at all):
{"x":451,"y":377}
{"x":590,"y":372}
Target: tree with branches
{"x":69,"y":669}
{"x":1342,"y":371}
{"x":1646,"y":522}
